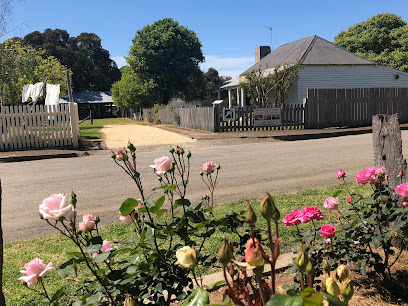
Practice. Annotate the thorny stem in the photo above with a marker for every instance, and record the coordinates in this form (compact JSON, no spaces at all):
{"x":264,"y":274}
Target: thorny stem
{"x":45,"y":290}
{"x":272,"y":261}
{"x":261,"y":288}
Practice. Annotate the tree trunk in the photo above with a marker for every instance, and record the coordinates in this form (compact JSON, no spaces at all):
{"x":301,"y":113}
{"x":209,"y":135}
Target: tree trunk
{"x":2,"y":300}
{"x":387,"y":144}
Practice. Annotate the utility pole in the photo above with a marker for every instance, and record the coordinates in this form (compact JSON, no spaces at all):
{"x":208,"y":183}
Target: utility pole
{"x":270,"y":29}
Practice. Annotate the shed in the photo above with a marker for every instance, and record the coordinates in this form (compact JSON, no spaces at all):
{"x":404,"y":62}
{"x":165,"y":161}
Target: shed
{"x":99,"y":102}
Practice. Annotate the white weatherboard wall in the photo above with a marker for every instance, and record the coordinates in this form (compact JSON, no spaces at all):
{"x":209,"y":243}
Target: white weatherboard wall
{"x":347,"y":76}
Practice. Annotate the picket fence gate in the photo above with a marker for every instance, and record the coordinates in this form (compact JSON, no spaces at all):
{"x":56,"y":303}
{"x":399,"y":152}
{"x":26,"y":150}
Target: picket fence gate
{"x":39,"y":126}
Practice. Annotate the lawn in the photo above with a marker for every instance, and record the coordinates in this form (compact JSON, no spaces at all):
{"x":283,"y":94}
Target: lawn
{"x":53,"y":248}
{"x":91,"y":131}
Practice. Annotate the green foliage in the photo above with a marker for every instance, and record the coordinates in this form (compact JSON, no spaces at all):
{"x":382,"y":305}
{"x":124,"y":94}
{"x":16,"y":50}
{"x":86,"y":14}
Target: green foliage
{"x":21,"y":65}
{"x":131,"y":92}
{"x":269,"y":88}
{"x":166,"y":55}
{"x":91,"y":64}
{"x":382,"y":38}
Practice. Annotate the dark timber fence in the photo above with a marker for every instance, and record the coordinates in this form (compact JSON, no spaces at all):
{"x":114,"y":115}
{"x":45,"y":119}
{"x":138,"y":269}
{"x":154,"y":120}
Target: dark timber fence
{"x":353,"y":107}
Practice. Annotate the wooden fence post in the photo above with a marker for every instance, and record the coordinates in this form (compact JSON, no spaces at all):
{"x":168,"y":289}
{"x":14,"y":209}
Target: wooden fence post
{"x":74,"y":123}
{"x":387,"y":144}
{"x":2,"y":300}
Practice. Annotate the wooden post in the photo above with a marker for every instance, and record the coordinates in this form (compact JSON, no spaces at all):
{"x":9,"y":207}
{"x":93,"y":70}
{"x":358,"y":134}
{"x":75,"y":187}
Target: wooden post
{"x":74,"y":123}
{"x":2,"y":300}
{"x":71,"y":99}
{"x":387,"y":144}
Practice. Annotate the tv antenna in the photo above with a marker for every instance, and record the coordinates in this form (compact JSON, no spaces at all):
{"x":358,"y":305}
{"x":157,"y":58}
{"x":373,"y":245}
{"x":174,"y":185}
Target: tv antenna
{"x":270,"y":29}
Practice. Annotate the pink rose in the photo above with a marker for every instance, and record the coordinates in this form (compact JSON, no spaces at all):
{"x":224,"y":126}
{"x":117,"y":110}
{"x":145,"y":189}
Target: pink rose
{"x":402,"y":190}
{"x":35,"y":269}
{"x":55,"y":207}
{"x":327,"y":231}
{"x":405,"y":202}
{"x":121,"y":154}
{"x":293,"y":218}
{"x":348,"y":200}
{"x":209,"y":167}
{"x":380,"y":172}
{"x":254,"y":253}
{"x":340,"y":174}
{"x":106,"y":247}
{"x":368,"y":175}
{"x":400,"y":174}
{"x":87,"y":223}
{"x":310,"y":213}
{"x":162,"y":165}
{"x":331,"y":204}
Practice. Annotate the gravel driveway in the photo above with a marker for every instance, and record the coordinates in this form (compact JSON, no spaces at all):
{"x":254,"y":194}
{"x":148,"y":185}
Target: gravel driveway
{"x":140,"y":135}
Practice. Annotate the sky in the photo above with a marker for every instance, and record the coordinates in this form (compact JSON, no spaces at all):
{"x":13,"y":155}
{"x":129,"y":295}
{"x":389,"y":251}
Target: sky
{"x":229,"y":31}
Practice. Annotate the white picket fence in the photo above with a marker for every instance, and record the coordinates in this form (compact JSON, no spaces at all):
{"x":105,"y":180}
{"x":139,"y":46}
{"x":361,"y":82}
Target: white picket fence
{"x":39,"y":126}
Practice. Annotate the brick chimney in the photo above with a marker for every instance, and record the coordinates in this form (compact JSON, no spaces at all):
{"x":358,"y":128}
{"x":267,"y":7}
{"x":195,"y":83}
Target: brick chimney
{"x":261,"y":52}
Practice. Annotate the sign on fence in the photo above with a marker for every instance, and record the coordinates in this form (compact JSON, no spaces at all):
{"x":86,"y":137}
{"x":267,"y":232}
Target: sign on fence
{"x":228,"y":114}
{"x":267,"y":117}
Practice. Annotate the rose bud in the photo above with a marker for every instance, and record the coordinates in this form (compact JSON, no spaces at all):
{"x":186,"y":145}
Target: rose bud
{"x":171,"y":150}
{"x":326,"y":266}
{"x":128,"y":301}
{"x":113,"y":155}
{"x":310,"y":269}
{"x":347,"y":290}
{"x":73,"y":199}
{"x":218,"y":167}
{"x":254,"y":253}
{"x":348,"y":200}
{"x":250,"y":217}
{"x":186,"y":257}
{"x":201,"y":172}
{"x":301,"y":261}
{"x":268,"y":208}
{"x":340,"y":174}
{"x":400,"y":174}
{"x":131,"y":147}
{"x":342,"y":272}
{"x":188,"y":154}
{"x":331,"y":287}
{"x":225,"y":254}
{"x":181,"y":151}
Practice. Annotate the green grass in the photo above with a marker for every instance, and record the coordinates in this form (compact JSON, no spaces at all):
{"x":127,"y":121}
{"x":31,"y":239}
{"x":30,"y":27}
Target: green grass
{"x":91,"y":131}
{"x":53,"y":248}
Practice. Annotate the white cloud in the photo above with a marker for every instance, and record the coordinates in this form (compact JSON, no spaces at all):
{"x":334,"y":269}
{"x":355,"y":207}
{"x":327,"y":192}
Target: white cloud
{"x":120,"y":61}
{"x":231,"y":66}
{"x":227,"y":66}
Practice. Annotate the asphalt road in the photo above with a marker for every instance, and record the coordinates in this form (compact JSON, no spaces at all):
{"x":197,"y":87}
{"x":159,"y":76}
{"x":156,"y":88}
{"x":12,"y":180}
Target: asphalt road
{"x":248,"y":170}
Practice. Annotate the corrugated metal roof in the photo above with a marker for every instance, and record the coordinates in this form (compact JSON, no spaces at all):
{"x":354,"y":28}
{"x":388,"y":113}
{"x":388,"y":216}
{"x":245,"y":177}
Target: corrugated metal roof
{"x":323,"y":52}
{"x":312,"y":50}
{"x":89,"y":97}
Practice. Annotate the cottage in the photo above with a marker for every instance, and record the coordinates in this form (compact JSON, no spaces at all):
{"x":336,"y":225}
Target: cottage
{"x":323,"y":65}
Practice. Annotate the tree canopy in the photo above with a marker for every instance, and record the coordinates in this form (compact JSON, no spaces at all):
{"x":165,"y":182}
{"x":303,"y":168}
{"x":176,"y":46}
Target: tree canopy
{"x":129,"y":91}
{"x":92,"y":67}
{"x":382,"y":38}
{"x":20,"y":65}
{"x":165,"y":56}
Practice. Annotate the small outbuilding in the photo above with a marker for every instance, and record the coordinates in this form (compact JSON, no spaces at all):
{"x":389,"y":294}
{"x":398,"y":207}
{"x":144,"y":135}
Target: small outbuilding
{"x":99,"y":102}
{"x":322,"y":65}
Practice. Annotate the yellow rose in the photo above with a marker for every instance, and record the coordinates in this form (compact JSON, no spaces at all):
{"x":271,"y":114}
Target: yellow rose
{"x":186,"y":257}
